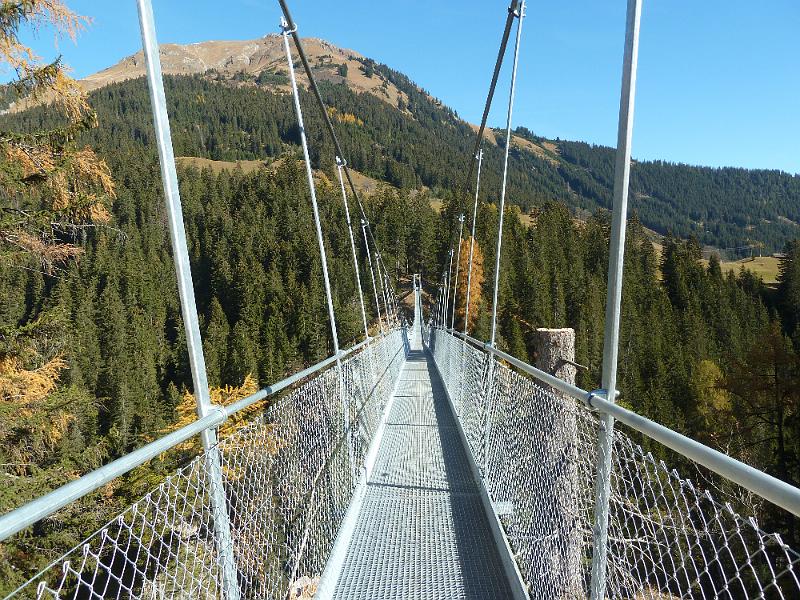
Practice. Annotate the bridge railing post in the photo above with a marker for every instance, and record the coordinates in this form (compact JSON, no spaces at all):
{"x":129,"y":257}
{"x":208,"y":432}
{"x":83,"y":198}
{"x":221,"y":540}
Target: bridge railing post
{"x":622,"y":167}
{"x":489,"y":385}
{"x":372,"y":272}
{"x":458,"y":264}
{"x":341,"y":392}
{"x":472,"y":243}
{"x":169,"y":176}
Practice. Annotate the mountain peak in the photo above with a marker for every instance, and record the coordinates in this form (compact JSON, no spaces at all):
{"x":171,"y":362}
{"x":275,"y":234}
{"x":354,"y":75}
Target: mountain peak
{"x":248,"y":59}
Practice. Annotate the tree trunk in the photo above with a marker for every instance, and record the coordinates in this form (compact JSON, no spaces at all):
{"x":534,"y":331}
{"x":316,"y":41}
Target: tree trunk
{"x":557,"y":571}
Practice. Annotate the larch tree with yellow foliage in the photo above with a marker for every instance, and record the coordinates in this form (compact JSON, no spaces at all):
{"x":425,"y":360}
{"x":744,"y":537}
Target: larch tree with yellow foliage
{"x":475,"y":283}
{"x":52,"y":189}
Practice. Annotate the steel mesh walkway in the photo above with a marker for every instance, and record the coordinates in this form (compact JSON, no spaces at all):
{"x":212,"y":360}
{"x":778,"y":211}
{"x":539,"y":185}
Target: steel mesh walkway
{"x":422,"y":531}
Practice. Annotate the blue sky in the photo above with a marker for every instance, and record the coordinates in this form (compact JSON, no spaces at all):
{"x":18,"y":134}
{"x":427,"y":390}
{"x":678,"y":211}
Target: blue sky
{"x":719,"y":80}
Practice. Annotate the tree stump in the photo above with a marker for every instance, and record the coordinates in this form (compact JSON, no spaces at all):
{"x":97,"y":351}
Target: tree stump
{"x":558,"y":508}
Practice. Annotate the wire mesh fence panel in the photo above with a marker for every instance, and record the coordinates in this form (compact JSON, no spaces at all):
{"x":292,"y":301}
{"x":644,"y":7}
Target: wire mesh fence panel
{"x":465,"y":372}
{"x":667,"y":537}
{"x":670,"y":539}
{"x":540,"y":469}
{"x":288,"y":478}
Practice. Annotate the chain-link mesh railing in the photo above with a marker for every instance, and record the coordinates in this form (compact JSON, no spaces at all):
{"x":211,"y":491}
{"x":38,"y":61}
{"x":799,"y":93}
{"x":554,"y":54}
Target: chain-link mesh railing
{"x":537,"y":452}
{"x":288,"y":478}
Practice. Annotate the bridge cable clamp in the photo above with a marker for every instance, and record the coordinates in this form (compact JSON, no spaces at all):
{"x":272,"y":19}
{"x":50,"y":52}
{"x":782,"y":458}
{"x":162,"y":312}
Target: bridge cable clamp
{"x":285,"y":26}
{"x":221,"y":410}
{"x":602,"y":395}
{"x":340,"y":162}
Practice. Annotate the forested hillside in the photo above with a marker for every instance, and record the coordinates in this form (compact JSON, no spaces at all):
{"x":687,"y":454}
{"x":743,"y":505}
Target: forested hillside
{"x":418,"y":142}
{"x":695,"y":343}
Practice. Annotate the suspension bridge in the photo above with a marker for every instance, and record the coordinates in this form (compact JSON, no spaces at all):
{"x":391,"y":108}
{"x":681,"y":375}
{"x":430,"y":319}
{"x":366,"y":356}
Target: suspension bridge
{"x":422,"y":462}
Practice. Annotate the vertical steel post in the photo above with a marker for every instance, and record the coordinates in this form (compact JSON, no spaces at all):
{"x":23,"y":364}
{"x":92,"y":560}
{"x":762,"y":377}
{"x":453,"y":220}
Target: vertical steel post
{"x":311,"y":186}
{"x":372,"y":273}
{"x":458,"y":264}
{"x":169,"y":177}
{"x":439,"y":296}
{"x":472,"y":242}
{"x":447,"y":290}
{"x":390,"y":295}
{"x":489,"y":388}
{"x":318,"y":227}
{"x":339,"y":165}
{"x":383,"y":290}
{"x":614,"y":297}
{"x":520,"y":16}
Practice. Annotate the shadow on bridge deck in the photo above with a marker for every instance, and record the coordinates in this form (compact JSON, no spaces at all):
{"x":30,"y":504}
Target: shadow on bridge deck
{"x":422,"y":531}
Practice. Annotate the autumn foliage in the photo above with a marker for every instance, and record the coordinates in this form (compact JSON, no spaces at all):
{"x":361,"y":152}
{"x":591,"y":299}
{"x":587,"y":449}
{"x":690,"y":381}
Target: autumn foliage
{"x":53,"y":188}
{"x":475,"y":283}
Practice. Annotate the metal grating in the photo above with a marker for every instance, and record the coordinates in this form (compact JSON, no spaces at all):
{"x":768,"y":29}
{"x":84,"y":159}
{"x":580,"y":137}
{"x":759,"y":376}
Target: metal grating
{"x":422,"y":531}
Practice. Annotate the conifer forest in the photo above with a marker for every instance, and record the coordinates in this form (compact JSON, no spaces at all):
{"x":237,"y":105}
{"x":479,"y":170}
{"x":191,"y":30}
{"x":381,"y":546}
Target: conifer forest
{"x":93,"y":363}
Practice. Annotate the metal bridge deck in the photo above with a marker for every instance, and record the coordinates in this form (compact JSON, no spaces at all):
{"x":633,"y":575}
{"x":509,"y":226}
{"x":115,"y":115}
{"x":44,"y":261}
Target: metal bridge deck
{"x":422,"y":531}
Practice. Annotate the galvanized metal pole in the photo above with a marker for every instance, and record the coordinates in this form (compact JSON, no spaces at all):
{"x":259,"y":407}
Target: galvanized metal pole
{"x":339,"y":164}
{"x":447,"y":290}
{"x":436,"y":319}
{"x":311,"y":186}
{"x":488,"y":389}
{"x":472,"y":240}
{"x":387,"y":309}
{"x":614,"y":298}
{"x":440,"y":311}
{"x":169,"y":177}
{"x":520,"y":16}
{"x":458,"y":264}
{"x":372,"y":273}
{"x":390,"y":295}
{"x":320,"y":241}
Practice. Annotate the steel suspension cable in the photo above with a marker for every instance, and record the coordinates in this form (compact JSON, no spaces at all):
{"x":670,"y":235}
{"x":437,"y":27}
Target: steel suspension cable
{"x":311,"y":185}
{"x":488,"y":388}
{"x":364,"y":225}
{"x":512,"y":11}
{"x":324,"y":111}
{"x":520,"y":16}
{"x":387,"y":310}
{"x":320,"y":239}
{"x":339,"y":164}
